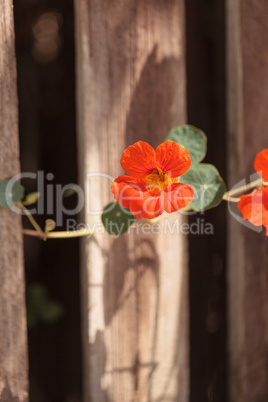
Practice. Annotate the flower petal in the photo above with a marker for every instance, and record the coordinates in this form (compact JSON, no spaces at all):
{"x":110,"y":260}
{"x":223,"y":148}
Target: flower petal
{"x":252,"y":208}
{"x":172,"y":158}
{"x":131,"y":193}
{"x":126,"y":189}
{"x":261,"y":164}
{"x":176,"y":197}
{"x":265,"y":197}
{"x":265,"y":222}
{"x":149,"y":207}
{"x":138,"y":160}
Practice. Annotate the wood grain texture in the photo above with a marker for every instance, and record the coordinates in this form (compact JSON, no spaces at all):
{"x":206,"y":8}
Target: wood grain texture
{"x":247,"y":105}
{"x":13,"y":343}
{"x":131,"y":86}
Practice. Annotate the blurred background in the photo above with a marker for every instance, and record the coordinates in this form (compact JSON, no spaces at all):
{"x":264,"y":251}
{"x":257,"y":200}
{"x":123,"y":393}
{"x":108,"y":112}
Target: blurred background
{"x":47,"y":118}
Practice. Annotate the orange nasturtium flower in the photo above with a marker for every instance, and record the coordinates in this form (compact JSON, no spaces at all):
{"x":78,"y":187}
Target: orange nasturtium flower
{"x":254,"y":206}
{"x":152,"y":185}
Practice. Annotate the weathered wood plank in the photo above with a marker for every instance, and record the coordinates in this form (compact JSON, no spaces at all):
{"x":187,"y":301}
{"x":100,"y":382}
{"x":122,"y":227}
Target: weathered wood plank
{"x":13,"y":343}
{"x":247,"y":105}
{"x":131,"y":86}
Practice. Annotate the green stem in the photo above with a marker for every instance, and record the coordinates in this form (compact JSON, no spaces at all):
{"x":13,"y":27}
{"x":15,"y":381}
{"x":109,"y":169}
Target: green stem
{"x":231,"y":199}
{"x":242,"y":189}
{"x":167,"y":216}
{"x":31,"y":219}
{"x":61,"y":234}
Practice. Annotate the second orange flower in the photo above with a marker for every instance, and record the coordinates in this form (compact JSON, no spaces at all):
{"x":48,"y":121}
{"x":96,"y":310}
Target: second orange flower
{"x":254,"y":206}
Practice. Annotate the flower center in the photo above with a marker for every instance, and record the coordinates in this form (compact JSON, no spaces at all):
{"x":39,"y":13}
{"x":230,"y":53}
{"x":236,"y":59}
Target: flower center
{"x":158,"y":181}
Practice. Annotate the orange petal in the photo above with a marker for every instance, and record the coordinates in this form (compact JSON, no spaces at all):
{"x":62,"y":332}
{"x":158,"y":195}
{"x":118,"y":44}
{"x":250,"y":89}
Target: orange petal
{"x":265,"y":197}
{"x":172,"y":158}
{"x":139,"y":159}
{"x":261,"y":164}
{"x":126,"y":189}
{"x":149,"y":207}
{"x":265,"y":222}
{"x":131,"y":193}
{"x":178,"y":196}
{"x":252,"y":208}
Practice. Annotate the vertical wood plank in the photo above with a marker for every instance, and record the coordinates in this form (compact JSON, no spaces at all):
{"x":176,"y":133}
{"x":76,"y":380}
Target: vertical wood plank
{"x":131,"y":86}
{"x":247,"y":105}
{"x":13,"y":343}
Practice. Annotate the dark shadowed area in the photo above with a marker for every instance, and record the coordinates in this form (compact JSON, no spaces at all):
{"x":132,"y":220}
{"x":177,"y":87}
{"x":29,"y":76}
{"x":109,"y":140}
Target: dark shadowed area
{"x":206,"y":100}
{"x":46,"y":88}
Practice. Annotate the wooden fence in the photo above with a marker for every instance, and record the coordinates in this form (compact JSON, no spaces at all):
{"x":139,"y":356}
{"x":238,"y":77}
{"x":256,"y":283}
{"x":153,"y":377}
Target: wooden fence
{"x":13,"y":343}
{"x":131,"y":85}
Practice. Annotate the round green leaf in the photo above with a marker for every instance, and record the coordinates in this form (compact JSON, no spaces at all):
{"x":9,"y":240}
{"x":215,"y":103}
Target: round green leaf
{"x":10,"y":192}
{"x":208,"y":186}
{"x":192,"y":139}
{"x":116,"y":219}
